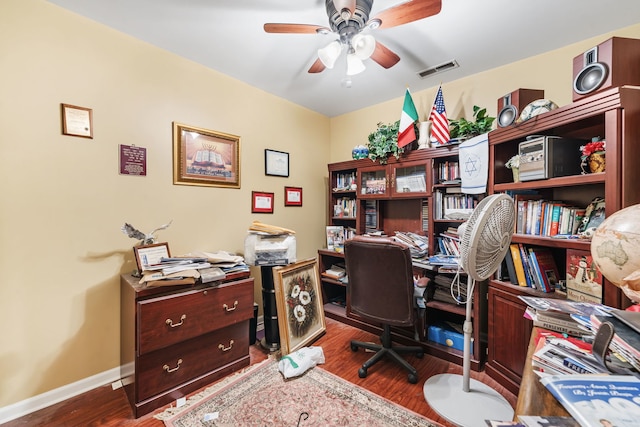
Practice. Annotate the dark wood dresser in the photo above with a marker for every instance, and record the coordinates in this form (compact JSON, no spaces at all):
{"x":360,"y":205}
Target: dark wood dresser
{"x":177,"y":339}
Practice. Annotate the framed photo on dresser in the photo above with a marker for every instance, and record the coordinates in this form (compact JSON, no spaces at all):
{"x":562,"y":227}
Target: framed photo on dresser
{"x":148,"y":255}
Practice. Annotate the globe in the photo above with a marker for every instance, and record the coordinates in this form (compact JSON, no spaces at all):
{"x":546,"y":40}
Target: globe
{"x":615,"y":248}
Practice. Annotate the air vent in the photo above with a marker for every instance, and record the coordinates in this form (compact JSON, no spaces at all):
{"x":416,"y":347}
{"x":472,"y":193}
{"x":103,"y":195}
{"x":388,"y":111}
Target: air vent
{"x":438,"y":69}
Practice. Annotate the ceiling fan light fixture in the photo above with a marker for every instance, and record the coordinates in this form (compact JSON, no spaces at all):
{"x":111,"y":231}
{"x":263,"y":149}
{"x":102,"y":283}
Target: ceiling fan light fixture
{"x":364,"y":45}
{"x":374,"y":23}
{"x":354,"y":65}
{"x":330,"y":53}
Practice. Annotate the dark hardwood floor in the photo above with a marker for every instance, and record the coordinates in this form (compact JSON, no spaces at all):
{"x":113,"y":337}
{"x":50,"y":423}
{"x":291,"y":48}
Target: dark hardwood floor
{"x":106,"y":407}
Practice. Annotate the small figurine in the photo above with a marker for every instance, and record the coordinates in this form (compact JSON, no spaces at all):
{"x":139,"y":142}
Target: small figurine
{"x":145,"y":239}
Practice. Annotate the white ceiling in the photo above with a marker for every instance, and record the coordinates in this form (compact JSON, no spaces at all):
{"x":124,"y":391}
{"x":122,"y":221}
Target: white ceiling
{"x":228,"y":36}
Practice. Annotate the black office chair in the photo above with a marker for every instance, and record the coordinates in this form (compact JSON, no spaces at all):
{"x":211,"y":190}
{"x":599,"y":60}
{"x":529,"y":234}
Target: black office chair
{"x":380,"y":290}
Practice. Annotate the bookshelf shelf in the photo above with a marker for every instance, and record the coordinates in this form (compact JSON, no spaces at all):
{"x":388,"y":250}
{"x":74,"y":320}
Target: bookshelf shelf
{"x":612,"y":114}
{"x":451,"y":308}
{"x":398,"y":196}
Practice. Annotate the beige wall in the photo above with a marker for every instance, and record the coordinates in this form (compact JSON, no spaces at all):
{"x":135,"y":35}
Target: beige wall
{"x":63,"y":201}
{"x":551,"y":72}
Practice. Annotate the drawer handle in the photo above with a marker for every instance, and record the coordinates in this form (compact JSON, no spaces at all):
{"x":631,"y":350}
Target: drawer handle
{"x":223,"y":348}
{"x":169,"y":370}
{"x":226,"y":307}
{"x":170,"y":322}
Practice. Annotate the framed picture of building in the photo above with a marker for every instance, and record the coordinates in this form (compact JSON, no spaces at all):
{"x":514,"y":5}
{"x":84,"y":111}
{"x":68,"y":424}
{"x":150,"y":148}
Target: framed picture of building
{"x":205,"y":157}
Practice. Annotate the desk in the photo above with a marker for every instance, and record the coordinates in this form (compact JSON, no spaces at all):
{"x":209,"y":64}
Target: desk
{"x":534,"y":398}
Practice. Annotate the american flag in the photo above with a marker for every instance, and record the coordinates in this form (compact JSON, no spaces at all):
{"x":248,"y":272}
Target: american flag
{"x":438,"y":116}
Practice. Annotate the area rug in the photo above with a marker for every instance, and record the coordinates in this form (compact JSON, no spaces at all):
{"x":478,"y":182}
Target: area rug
{"x":261,"y":396}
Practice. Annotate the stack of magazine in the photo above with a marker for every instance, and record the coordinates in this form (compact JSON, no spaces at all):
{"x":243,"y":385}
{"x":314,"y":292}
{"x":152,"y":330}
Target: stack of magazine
{"x":556,"y":354}
{"x":564,"y":316}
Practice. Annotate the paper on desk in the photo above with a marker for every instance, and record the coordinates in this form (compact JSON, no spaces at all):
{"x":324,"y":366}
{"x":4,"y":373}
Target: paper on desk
{"x":218,"y":257}
{"x":149,"y":276}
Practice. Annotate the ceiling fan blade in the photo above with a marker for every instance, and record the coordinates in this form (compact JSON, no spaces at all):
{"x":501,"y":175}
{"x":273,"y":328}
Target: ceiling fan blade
{"x":294,"y":28}
{"x":350,"y":5}
{"x":384,"y":56}
{"x":317,"y":67}
{"x":407,"y":12}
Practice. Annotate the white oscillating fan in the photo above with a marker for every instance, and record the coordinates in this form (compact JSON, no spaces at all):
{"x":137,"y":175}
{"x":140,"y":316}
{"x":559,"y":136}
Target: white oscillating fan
{"x":484,"y":242}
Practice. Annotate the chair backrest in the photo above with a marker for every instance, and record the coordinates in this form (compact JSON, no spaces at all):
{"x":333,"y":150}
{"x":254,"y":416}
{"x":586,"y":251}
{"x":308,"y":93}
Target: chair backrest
{"x":380,"y":286}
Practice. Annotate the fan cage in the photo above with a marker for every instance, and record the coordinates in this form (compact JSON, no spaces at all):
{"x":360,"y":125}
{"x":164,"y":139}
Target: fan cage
{"x":487,"y":236}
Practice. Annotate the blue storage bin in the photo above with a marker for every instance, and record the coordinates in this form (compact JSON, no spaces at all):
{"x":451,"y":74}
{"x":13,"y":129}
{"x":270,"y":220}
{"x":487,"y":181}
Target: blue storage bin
{"x":445,"y":334}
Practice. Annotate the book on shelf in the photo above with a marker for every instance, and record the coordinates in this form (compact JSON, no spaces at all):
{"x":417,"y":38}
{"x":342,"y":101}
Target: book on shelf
{"x":336,"y":272}
{"x":517,"y":262}
{"x":536,"y":273}
{"x":528,"y":272}
{"x":547,"y":421}
{"x":546,"y":267}
{"x":446,"y":260}
{"x":584,"y":279}
{"x":510,"y":267}
{"x":345,"y":181}
{"x":536,"y":216}
{"x":592,"y":398}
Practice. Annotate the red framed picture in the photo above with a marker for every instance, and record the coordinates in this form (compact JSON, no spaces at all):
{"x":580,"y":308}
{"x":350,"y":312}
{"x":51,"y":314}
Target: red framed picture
{"x":261,"y":202}
{"x":292,"y":196}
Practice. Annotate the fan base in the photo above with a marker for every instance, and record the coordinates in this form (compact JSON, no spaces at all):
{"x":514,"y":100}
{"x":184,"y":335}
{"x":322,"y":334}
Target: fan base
{"x":445,"y":394}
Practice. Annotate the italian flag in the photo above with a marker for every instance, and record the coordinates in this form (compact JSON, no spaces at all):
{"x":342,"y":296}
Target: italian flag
{"x":406,"y":132}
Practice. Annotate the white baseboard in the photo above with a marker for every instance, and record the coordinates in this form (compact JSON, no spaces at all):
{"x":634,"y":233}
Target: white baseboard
{"x":32,"y":404}
{"x":35,"y":403}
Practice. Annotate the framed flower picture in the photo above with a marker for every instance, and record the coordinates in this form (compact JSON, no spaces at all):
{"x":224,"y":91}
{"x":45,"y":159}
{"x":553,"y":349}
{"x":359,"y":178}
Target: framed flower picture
{"x":299,"y":303}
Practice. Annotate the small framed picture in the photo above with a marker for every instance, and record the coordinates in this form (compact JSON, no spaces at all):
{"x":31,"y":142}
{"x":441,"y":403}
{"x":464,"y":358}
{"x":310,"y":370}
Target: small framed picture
{"x":261,"y":202}
{"x":276,"y":163}
{"x":77,"y":121}
{"x":292,"y":196}
{"x":149,"y":255}
{"x":299,"y":302}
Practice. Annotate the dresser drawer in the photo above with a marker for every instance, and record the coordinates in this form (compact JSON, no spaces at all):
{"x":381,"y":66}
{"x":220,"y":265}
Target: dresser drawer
{"x":169,"y":367}
{"x":170,"y":319}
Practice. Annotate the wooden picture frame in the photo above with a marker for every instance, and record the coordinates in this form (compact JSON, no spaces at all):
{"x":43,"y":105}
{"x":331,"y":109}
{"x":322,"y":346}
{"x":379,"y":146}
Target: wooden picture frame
{"x":293,"y":196}
{"x":276,"y":163}
{"x":261,"y":202}
{"x":299,"y":303}
{"x":147,"y":255}
{"x":204,"y":157}
{"x":77,"y":121}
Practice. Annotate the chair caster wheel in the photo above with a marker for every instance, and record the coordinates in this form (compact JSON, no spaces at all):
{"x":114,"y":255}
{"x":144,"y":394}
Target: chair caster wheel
{"x":354,"y":347}
{"x":413,"y":378}
{"x":362,"y":373}
{"x":419,"y":355}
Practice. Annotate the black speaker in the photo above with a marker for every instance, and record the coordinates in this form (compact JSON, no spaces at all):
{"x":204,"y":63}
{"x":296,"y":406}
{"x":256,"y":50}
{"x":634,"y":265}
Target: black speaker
{"x":612,"y":63}
{"x":510,"y":106}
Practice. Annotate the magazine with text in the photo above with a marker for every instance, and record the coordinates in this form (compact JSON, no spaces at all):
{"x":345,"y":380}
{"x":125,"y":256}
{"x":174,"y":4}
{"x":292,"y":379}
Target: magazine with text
{"x":594,"y":399}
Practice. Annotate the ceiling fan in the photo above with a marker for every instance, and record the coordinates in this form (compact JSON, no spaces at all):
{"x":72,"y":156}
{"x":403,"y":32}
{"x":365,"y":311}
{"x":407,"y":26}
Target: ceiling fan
{"x":348,"y":19}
